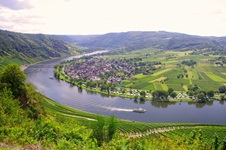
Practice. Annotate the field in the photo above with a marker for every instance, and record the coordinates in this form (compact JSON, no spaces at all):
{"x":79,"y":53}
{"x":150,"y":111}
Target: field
{"x":177,"y":135}
{"x":8,"y":60}
{"x":205,"y":74}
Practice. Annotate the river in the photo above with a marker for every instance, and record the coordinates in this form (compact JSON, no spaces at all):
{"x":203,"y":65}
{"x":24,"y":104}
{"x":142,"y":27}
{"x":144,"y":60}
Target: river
{"x":64,"y":93}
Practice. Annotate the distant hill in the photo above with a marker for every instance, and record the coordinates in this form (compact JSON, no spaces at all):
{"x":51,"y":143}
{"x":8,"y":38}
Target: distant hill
{"x":163,"y":40}
{"x":30,"y":48}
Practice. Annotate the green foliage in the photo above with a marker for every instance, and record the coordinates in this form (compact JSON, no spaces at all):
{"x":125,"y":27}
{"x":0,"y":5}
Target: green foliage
{"x":170,"y":90}
{"x":9,"y":107}
{"x":173,"y":94}
{"x":222,"y":89}
{"x":30,"y":48}
{"x":189,"y":63}
{"x":63,"y":127}
{"x":129,"y":41}
{"x":216,"y":142}
{"x":104,"y":130}
{"x":14,"y":79}
{"x":111,"y":127}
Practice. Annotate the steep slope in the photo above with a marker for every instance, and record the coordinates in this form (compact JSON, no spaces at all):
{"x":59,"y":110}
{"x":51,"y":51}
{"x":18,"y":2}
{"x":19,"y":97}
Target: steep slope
{"x":164,"y":40}
{"x":29,"y":48}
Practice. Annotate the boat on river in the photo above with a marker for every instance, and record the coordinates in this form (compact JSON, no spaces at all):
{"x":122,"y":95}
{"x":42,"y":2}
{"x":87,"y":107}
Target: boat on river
{"x":139,"y":110}
{"x":51,"y":77}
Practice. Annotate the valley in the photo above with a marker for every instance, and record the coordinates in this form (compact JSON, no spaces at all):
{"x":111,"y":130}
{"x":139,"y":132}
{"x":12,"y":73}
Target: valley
{"x":139,"y":74}
{"x":60,"y":115}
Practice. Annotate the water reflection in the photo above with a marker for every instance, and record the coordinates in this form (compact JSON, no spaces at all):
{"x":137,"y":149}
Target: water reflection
{"x":160,"y":104}
{"x":80,"y":90}
{"x":221,"y":102}
{"x":135,"y":101}
{"x":142,"y":102}
{"x":104,"y":95}
{"x":201,"y":105}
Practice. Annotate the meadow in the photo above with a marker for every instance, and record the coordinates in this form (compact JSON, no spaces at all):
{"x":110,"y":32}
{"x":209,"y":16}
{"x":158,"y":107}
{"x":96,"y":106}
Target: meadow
{"x":205,"y":73}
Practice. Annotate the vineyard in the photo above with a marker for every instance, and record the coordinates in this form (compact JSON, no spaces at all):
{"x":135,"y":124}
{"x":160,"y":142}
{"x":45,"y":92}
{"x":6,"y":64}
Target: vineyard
{"x":138,"y":129}
{"x":206,"y":74}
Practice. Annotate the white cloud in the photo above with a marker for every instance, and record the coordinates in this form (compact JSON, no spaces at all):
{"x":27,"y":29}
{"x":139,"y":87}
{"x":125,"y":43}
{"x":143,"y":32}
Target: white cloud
{"x":16,"y":4}
{"x":200,"y":17}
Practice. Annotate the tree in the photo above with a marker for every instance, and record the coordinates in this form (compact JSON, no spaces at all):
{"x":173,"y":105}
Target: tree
{"x":99,"y":130}
{"x":154,"y":94}
{"x":14,"y":79}
{"x":143,"y":93}
{"x":210,"y":93}
{"x":173,"y":94}
{"x":170,"y":90}
{"x":80,"y":83}
{"x":222,"y":89}
{"x":111,"y":127}
{"x":201,"y":97}
{"x":222,"y":97}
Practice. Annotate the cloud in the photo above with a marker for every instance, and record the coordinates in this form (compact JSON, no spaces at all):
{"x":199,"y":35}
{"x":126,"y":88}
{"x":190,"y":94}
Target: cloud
{"x":16,"y":4}
{"x":203,"y":17}
{"x":21,"y":21}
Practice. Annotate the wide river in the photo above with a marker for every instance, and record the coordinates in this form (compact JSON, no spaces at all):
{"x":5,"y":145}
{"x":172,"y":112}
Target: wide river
{"x":64,"y":93}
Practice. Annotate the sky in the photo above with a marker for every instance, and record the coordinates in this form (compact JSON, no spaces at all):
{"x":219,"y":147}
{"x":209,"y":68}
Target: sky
{"x":83,"y":17}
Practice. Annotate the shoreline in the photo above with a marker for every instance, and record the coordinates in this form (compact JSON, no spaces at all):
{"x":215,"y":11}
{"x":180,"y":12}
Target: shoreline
{"x":110,"y":94}
{"x":24,"y":67}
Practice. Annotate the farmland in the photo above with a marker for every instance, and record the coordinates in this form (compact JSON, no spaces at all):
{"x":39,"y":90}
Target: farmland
{"x":139,"y":73}
{"x":205,"y":74}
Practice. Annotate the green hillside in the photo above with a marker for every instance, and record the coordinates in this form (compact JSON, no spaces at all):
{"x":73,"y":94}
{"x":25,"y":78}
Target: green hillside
{"x":29,"y":48}
{"x":29,"y":120}
{"x":163,"y":40}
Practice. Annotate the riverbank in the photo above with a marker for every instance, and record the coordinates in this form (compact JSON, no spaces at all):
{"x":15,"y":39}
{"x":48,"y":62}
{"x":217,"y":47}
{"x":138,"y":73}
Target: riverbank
{"x":24,"y":67}
{"x":104,"y":104}
{"x":59,"y":73}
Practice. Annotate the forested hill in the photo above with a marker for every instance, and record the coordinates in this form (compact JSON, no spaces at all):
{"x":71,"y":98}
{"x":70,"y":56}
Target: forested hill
{"x":30,"y":48}
{"x":139,"y":40}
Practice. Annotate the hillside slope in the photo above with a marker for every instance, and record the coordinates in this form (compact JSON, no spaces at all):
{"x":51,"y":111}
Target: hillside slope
{"x":30,"y":48}
{"x":163,"y":40}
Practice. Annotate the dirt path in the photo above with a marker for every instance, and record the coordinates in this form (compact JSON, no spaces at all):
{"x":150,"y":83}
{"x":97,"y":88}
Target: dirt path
{"x":155,"y":131}
{"x":79,"y":117}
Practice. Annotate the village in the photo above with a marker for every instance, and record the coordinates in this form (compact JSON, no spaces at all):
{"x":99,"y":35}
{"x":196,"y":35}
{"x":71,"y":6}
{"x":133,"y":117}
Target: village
{"x":101,"y":69}
{"x":109,"y":76}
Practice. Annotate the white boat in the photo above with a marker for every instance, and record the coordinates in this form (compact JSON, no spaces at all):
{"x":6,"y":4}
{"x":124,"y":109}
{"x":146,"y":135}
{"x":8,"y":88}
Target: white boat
{"x":51,"y":77}
{"x":139,"y":110}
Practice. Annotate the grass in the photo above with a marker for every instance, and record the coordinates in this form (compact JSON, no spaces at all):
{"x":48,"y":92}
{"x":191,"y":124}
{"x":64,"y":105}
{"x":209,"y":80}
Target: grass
{"x":130,"y":128}
{"x":215,"y":77}
{"x":161,"y":72}
{"x":171,"y":73}
{"x":158,"y":86}
{"x":139,"y":76}
{"x":88,"y":119}
{"x":158,"y":79}
{"x":4,"y":61}
{"x":164,"y":87}
{"x":205,"y":75}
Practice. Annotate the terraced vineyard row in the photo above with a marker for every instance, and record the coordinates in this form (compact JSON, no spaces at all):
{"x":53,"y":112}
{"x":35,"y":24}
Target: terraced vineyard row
{"x":134,"y":127}
{"x":206,"y":133}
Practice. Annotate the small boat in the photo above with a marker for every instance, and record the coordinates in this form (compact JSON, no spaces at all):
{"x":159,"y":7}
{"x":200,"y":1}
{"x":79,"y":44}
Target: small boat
{"x":139,"y":110}
{"x":51,"y":77}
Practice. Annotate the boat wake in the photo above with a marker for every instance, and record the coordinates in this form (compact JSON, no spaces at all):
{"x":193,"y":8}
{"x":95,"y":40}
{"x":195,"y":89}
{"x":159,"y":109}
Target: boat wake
{"x":119,"y":109}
